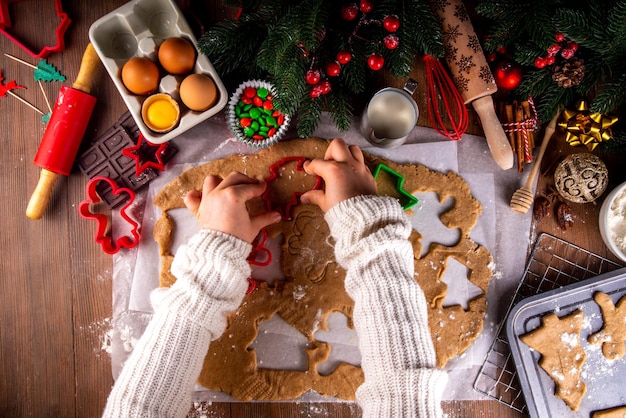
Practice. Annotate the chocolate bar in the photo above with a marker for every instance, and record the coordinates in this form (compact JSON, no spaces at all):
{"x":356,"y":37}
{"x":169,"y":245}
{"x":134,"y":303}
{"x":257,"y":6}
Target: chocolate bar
{"x":105,"y":158}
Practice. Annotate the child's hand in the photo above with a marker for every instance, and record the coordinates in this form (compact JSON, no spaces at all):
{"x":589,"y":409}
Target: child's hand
{"x":344,"y":172}
{"x":221,"y":206}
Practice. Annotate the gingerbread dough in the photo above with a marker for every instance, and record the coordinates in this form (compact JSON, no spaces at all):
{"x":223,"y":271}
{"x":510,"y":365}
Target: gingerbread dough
{"x":613,"y":333}
{"x":619,"y":412}
{"x":314,"y":287}
{"x":562,"y":357}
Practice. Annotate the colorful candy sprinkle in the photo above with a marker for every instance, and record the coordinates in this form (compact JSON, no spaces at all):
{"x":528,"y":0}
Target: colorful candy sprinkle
{"x":256,"y":114}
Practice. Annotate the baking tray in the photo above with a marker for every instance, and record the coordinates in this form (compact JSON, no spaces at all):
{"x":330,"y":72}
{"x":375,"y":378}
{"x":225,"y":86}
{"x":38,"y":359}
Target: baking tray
{"x":605,"y":380}
{"x":137,"y":29}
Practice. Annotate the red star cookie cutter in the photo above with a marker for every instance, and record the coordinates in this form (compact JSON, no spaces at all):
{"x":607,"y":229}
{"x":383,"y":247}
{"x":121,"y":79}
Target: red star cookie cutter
{"x":64,"y":23}
{"x":144,"y":159}
{"x":103,"y":230}
{"x":275,"y":173}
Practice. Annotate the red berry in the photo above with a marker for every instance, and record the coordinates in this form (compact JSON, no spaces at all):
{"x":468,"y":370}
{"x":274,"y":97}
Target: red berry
{"x":333,"y":69}
{"x":492,"y":57}
{"x":567,"y":53}
{"x":315,"y":92}
{"x":366,"y":6}
{"x":349,"y":11}
{"x":553,"y":49}
{"x":501,"y":50}
{"x":391,"y":23}
{"x":312,"y":77}
{"x":375,"y":62}
{"x":343,"y":57}
{"x":550,"y":59}
{"x":540,"y":62}
{"x":391,"y":41}
{"x":559,"y":37}
{"x":572,"y":45}
{"x":325,"y":87}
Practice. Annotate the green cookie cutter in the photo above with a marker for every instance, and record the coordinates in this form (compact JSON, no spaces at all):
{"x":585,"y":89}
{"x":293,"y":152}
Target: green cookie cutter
{"x":407,"y":200}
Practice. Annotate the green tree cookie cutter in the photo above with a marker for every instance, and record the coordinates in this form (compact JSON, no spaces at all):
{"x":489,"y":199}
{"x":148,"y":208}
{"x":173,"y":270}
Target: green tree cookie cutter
{"x":407,"y":200}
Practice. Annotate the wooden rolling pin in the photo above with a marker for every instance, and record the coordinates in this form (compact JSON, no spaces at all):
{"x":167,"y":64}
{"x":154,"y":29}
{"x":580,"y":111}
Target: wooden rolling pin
{"x":472,"y":75}
{"x":64,"y":133}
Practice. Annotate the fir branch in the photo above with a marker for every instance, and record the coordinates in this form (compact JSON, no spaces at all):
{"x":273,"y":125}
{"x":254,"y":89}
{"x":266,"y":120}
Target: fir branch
{"x":342,"y":111}
{"x":610,"y":95}
{"x":231,"y":45}
{"x":355,"y":76}
{"x":423,"y":29}
{"x":309,"y":116}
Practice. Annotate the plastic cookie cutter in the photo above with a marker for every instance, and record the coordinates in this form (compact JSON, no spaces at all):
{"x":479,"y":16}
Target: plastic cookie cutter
{"x":64,"y":23}
{"x":260,"y":254}
{"x":407,"y":200}
{"x":146,"y":154}
{"x":275,"y":174}
{"x":103,"y":234}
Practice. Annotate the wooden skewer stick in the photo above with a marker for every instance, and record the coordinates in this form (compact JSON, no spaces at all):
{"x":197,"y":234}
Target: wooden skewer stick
{"x":19,"y":60}
{"x":25,"y":102}
{"x":45,"y":96}
{"x":523,"y":197}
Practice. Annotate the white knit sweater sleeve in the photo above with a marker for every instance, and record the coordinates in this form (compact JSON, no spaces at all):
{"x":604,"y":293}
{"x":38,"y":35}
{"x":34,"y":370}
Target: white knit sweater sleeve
{"x":159,"y":376}
{"x":390,"y":311}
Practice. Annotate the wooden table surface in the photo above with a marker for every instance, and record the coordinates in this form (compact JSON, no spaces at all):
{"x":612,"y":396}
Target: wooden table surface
{"x":55,"y":283}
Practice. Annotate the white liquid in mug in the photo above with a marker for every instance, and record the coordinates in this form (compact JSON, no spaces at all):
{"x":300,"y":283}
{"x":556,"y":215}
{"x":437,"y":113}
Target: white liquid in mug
{"x":391,"y":115}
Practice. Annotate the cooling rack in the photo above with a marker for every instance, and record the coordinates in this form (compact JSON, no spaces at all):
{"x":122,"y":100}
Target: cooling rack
{"x":553,"y":263}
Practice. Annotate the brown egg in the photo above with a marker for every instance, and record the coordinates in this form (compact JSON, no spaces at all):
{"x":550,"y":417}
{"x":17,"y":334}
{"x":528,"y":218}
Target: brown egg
{"x":198,"y":92}
{"x":177,"y":55}
{"x":140,"y":75}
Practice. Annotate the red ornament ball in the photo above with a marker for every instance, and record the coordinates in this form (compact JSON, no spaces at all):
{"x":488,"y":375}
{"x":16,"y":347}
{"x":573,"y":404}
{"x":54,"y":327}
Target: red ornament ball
{"x":366,"y":6}
{"x":343,"y":57}
{"x":391,"y":41}
{"x":508,"y":75}
{"x":391,"y":23}
{"x":312,"y":77}
{"x":375,"y":62}
{"x":333,"y":69}
{"x":349,"y":11}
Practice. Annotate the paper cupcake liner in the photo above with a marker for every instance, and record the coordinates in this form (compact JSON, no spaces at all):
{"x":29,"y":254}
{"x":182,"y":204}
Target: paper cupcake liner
{"x":233,"y":120}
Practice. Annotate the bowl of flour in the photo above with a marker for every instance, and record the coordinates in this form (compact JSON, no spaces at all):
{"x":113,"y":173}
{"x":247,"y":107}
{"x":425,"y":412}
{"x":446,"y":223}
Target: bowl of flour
{"x":613,"y":221}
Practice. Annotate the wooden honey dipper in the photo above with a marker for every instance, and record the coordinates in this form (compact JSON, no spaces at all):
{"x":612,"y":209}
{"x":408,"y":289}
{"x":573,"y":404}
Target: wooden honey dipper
{"x":523,"y":197}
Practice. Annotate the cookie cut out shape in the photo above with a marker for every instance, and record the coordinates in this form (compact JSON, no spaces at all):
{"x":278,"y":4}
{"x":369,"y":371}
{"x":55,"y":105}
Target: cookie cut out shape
{"x":613,"y":333}
{"x":562,"y":357}
{"x":314,"y":284}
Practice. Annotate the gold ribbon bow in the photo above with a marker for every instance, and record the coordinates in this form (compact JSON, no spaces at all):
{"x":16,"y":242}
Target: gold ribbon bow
{"x":584,"y":127}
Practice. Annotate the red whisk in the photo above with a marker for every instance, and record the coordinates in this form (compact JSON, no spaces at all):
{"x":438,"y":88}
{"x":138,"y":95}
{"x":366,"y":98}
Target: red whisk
{"x":441,"y":90}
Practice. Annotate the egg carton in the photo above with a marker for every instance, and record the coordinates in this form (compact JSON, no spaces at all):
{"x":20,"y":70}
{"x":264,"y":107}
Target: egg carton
{"x":137,"y":29}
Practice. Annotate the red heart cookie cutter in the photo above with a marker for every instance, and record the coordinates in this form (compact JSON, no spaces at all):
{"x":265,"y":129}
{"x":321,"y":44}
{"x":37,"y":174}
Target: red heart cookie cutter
{"x":103,"y":230}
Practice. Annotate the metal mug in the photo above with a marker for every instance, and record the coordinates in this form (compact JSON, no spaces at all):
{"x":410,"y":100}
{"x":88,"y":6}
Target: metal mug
{"x":390,"y":116}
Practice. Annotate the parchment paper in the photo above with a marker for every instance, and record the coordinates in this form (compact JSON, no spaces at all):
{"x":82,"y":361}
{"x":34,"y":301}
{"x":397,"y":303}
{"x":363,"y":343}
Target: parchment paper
{"x":504,"y":232}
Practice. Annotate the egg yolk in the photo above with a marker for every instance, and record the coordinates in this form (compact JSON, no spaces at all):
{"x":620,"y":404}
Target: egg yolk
{"x":162,"y":114}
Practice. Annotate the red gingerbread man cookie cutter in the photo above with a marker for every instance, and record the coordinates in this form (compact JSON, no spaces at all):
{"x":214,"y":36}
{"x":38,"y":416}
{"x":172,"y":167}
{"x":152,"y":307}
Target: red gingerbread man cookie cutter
{"x":103,"y":234}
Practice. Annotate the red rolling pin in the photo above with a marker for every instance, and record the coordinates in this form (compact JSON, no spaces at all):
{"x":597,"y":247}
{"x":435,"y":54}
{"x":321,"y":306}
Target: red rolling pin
{"x":64,"y":133}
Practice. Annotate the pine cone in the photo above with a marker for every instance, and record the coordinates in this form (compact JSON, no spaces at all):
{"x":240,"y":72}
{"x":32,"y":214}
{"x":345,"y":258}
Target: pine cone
{"x":570,"y":73}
